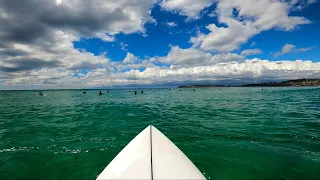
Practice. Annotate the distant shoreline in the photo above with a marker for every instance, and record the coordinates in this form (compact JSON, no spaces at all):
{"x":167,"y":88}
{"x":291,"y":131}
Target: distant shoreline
{"x":289,"y":83}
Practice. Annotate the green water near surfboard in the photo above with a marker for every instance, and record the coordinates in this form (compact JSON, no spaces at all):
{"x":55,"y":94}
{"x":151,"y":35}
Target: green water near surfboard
{"x":229,"y":133}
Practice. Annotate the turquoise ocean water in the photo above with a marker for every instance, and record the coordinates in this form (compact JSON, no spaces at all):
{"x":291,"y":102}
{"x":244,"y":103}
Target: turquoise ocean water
{"x":229,"y":133}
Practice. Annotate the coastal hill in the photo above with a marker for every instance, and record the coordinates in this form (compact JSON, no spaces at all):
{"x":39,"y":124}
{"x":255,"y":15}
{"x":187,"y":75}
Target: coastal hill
{"x":297,"y":82}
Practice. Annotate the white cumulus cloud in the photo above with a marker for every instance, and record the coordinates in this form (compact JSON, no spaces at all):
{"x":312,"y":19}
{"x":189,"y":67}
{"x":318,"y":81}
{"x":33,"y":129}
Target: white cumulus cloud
{"x":196,"y":57}
{"x":171,"y":24}
{"x":287,"y":48}
{"x":189,"y":8}
{"x":249,"y":52}
{"x":251,"y":18}
{"x":129,"y":59}
{"x":41,"y":35}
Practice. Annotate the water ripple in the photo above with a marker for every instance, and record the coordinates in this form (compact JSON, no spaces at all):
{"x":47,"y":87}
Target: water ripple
{"x":232,"y":133}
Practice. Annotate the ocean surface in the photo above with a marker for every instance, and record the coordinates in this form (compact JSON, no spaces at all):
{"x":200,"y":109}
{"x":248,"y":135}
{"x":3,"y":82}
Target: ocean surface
{"x":229,"y":133}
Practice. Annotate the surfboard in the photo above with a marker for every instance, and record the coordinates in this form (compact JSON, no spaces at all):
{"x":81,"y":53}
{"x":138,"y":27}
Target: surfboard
{"x":151,"y":155}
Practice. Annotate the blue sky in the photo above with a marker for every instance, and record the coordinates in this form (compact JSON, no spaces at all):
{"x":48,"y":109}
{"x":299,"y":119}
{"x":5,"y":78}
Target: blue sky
{"x":75,"y":44}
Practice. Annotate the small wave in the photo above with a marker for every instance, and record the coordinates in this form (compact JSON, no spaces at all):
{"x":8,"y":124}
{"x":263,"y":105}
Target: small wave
{"x":13,"y":149}
{"x":303,"y":153}
{"x":98,"y":139}
{"x":74,"y":151}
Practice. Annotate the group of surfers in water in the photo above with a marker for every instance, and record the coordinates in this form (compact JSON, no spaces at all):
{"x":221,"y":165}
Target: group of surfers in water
{"x":135,"y":92}
{"x":100,"y":93}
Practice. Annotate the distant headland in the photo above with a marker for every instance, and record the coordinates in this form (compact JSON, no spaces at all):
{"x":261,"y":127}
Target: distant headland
{"x":289,"y":83}
{"x":297,"y":82}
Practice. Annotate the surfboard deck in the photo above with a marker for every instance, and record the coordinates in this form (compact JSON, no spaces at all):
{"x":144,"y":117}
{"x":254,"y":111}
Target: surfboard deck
{"x":151,"y":155}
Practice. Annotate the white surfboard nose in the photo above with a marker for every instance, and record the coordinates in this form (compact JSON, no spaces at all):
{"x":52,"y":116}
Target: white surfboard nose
{"x":151,"y":155}
{"x":133,"y":162}
{"x":169,"y":162}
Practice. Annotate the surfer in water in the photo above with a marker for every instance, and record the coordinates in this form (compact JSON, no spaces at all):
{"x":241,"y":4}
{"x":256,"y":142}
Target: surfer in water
{"x":100,"y":93}
{"x":84,"y":92}
{"x":135,"y":92}
{"x":40,"y":94}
